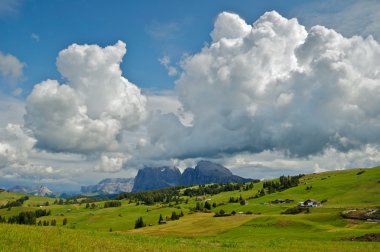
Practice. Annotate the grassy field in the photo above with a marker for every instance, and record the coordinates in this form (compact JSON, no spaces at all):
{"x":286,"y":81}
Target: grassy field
{"x":323,"y":229}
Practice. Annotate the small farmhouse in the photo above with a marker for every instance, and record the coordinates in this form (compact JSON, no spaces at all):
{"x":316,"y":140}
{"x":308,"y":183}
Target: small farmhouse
{"x":309,"y":203}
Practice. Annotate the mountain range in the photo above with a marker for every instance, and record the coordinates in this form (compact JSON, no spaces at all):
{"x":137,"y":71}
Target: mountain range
{"x":150,"y":178}
{"x":37,"y":190}
{"x":110,"y":186}
{"x":205,"y":172}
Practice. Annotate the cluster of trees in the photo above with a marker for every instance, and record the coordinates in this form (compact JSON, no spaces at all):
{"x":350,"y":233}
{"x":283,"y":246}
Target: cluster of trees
{"x":139,"y":223}
{"x":59,"y":202}
{"x":30,"y":218}
{"x":76,"y":200}
{"x":51,"y":223}
{"x":222,"y":213}
{"x":175,"y":216}
{"x":283,"y":183}
{"x":237,"y":200}
{"x":47,"y":223}
{"x":113,"y":203}
{"x":217,"y":188}
{"x":26,"y":218}
{"x":260,"y":193}
{"x":15,"y":203}
{"x":199,"y":207}
{"x":173,"y":194}
{"x":92,"y":206}
{"x":203,"y":207}
{"x":90,"y":200}
{"x":164,"y":195}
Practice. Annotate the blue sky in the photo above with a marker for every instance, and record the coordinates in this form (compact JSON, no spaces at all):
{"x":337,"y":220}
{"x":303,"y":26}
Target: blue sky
{"x":35,"y":31}
{"x":265,"y":88}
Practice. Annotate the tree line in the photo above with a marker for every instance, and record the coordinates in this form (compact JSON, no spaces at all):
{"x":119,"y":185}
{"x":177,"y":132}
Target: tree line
{"x":15,"y":203}
{"x":218,"y":188}
{"x":163,"y":195}
{"x":283,"y":183}
{"x":26,"y":218}
{"x":113,"y":203}
{"x":173,"y":194}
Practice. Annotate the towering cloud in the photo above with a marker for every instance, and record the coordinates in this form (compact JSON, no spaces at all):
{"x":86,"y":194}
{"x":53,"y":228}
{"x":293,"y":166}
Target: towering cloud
{"x":273,"y":85}
{"x":269,"y":89}
{"x":92,"y":108}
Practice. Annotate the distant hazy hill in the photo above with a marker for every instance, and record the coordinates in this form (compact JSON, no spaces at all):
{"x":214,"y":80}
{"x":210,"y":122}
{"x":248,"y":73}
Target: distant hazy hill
{"x":110,"y":186}
{"x":38,"y":190}
{"x":205,"y":172}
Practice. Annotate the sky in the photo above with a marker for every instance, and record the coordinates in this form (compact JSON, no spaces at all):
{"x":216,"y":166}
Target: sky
{"x":98,"y":89}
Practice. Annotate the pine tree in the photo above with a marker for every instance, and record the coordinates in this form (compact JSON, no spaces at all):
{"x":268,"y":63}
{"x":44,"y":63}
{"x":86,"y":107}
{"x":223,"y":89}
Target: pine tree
{"x":139,"y":223}
{"x":207,"y":205}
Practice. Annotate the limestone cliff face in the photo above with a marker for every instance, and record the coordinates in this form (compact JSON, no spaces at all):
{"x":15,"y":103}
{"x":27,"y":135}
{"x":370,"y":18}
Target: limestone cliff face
{"x":207,"y":172}
{"x":150,"y":178}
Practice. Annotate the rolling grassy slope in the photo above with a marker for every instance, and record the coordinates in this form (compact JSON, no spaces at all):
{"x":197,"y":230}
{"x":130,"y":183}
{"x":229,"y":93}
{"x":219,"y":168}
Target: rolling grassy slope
{"x":266,"y":229}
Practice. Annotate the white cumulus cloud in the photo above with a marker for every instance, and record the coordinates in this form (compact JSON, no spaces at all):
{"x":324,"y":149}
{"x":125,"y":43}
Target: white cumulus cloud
{"x":89,"y":111}
{"x":273,"y":85}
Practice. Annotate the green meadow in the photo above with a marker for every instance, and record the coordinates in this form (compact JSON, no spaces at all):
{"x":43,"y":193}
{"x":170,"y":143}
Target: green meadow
{"x":257,"y":226}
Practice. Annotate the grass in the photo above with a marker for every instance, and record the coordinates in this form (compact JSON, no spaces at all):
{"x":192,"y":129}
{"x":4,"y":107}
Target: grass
{"x":265,"y":230}
{"x":197,"y":224}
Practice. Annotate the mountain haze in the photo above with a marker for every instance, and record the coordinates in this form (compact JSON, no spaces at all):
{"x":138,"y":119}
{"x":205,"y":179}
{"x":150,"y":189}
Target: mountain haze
{"x":110,"y":186}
